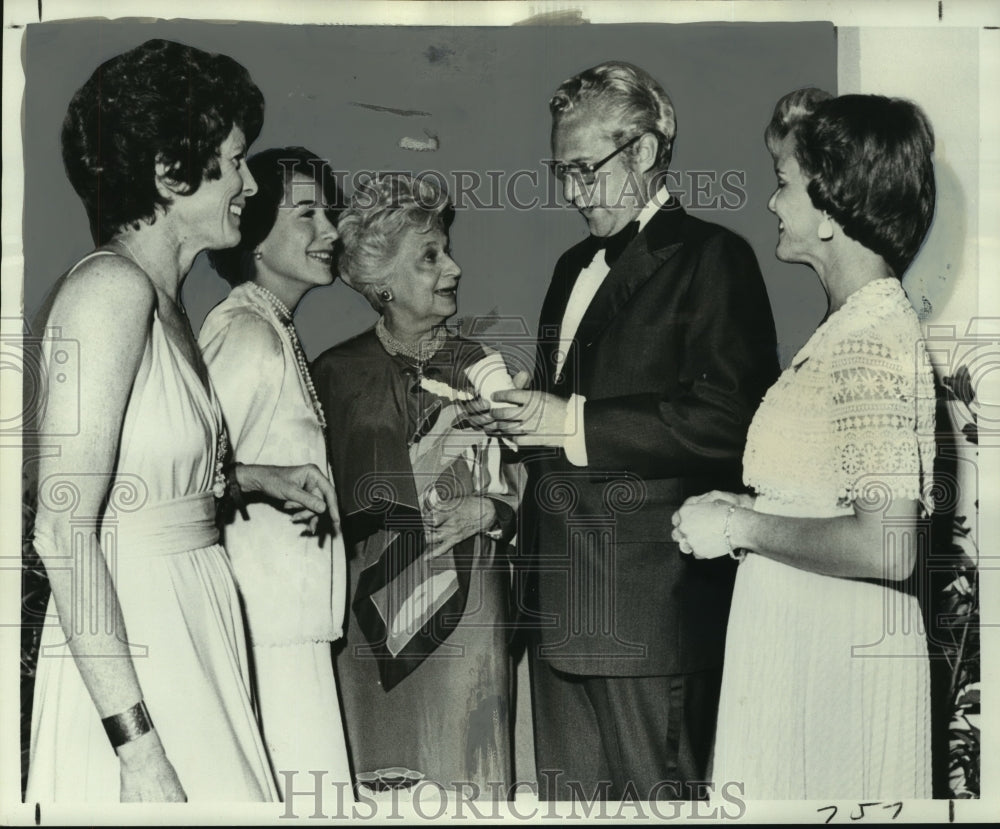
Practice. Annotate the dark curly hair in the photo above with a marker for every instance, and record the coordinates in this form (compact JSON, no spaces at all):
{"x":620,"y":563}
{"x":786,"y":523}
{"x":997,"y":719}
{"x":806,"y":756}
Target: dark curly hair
{"x":868,"y":161}
{"x":161,"y":101}
{"x":789,"y":113}
{"x":272,"y":169}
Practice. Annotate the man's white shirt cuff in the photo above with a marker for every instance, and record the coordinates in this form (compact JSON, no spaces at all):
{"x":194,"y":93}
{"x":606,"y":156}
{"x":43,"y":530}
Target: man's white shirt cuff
{"x":575,"y":444}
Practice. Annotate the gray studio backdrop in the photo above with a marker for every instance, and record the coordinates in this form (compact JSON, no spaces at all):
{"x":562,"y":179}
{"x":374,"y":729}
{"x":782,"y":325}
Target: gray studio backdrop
{"x":351,"y":94}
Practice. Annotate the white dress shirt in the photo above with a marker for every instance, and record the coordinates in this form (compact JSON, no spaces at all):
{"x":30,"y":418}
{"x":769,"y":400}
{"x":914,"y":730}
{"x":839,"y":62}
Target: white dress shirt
{"x":584,"y":290}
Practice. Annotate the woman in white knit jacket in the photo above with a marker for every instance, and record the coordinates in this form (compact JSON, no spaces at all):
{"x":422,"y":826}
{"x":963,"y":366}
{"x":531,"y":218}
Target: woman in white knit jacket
{"x":292,"y":583}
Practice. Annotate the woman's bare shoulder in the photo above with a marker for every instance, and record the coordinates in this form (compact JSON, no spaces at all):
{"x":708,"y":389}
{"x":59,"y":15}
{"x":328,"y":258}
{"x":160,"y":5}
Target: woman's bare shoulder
{"x":102,"y":287}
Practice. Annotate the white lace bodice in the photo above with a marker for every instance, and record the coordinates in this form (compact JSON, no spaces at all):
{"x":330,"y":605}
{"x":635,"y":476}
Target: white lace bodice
{"x":854,"y":409}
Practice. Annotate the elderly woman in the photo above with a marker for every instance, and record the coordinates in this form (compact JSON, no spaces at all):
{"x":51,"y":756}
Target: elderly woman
{"x":825,"y":686}
{"x":425,"y":676}
{"x":154,"y":703}
{"x":293,"y":588}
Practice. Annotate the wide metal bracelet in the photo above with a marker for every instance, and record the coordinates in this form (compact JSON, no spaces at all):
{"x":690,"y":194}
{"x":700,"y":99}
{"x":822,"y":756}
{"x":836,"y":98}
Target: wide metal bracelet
{"x":127,"y":726}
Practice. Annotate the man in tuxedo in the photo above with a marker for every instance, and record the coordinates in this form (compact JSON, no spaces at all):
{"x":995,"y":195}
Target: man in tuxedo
{"x":656,"y":345}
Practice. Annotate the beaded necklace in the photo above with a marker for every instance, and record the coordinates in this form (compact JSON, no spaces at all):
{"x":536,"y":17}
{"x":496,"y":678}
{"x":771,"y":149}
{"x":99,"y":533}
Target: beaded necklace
{"x":285,"y":318}
{"x":419,"y":355}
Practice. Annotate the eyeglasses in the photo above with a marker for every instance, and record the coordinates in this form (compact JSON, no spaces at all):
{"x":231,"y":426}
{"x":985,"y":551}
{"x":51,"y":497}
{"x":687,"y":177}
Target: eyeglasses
{"x":582,"y":172}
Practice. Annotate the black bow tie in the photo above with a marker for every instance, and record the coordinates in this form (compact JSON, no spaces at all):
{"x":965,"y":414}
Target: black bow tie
{"x":615,"y":244}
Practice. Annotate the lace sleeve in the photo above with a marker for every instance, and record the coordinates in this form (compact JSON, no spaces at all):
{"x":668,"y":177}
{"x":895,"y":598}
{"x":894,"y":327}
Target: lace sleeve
{"x":883,"y":416}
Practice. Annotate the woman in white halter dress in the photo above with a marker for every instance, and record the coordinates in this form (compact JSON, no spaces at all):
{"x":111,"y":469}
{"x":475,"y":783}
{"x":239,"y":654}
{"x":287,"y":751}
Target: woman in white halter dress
{"x":144,"y":638}
{"x":178,"y":599}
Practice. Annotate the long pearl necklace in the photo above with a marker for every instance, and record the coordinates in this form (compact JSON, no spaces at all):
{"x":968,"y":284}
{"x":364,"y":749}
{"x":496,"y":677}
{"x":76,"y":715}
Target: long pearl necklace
{"x":423,"y":351}
{"x":285,"y":318}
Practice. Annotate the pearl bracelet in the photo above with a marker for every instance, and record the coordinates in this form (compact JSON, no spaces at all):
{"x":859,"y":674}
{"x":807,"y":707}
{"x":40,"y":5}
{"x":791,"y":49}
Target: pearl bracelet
{"x":734,"y":553}
{"x":129,"y":725}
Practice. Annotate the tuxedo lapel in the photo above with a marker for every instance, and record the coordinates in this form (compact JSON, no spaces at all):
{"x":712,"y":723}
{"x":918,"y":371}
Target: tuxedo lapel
{"x":656,"y":243}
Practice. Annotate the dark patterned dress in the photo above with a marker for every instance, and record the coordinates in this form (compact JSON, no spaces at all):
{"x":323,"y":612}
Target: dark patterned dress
{"x":425,"y":672}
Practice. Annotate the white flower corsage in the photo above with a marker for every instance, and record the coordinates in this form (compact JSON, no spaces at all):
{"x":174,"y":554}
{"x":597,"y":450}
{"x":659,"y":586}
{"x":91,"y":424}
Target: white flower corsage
{"x":439,"y":389}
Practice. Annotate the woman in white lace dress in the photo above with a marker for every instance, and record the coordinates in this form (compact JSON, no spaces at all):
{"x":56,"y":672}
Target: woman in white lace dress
{"x":825,"y":686}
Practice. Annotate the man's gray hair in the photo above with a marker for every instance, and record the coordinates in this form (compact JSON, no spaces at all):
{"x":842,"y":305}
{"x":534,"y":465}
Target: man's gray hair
{"x":629,"y":97}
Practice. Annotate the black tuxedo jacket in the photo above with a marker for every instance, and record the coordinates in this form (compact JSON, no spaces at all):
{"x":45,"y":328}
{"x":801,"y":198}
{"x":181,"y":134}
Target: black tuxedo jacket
{"x":673,"y":356}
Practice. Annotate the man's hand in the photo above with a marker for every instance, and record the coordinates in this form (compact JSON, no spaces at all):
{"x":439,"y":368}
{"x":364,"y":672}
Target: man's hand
{"x":535,"y":419}
{"x":479,"y":411}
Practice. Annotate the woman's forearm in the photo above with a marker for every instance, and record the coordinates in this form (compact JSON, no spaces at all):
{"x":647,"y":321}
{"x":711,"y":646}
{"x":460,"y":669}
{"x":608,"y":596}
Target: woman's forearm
{"x":91,"y":620}
{"x":850,"y":546}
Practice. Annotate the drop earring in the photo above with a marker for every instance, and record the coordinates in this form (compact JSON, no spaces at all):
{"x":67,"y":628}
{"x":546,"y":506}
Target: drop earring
{"x":825,"y":229}
{"x":258,"y":255}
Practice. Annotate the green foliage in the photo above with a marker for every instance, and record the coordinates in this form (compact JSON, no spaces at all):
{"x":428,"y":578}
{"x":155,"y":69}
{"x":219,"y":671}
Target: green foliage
{"x":958,"y":616}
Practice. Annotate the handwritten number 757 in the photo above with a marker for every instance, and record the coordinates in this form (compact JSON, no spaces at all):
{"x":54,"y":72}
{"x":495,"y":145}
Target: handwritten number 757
{"x":898,"y":807}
